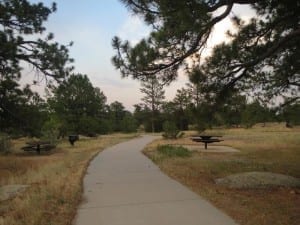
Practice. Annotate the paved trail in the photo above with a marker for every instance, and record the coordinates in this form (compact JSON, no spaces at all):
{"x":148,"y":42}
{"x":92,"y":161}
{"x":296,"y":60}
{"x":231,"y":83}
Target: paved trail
{"x":123,"y":187}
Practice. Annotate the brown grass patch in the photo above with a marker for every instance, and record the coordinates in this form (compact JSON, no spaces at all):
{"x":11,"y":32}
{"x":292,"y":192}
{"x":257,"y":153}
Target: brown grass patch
{"x":55,"y":180}
{"x":261,"y":149}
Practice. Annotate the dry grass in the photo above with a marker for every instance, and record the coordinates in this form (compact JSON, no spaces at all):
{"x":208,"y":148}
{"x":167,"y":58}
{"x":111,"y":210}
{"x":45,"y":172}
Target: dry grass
{"x":55,"y":181}
{"x":272,"y":149}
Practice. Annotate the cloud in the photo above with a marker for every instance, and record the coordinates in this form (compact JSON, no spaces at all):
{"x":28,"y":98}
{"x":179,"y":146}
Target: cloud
{"x":133,"y":30}
{"x":127,"y":94}
{"x":218,"y":34}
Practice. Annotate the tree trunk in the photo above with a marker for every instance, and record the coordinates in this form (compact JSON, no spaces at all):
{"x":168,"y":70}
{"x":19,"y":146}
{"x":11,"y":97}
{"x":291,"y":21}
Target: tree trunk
{"x":152,"y":123}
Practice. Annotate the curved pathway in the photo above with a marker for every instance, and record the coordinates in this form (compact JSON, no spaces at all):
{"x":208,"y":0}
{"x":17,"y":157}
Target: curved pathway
{"x":123,"y":187}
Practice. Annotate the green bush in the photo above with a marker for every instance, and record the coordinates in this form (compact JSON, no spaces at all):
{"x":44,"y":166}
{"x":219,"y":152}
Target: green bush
{"x":170,"y":130}
{"x":50,"y":130}
{"x":87,"y":125}
{"x":173,"y":151}
{"x":128,"y":124}
{"x":5,"y":143}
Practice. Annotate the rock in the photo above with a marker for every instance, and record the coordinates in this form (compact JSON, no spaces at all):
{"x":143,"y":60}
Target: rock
{"x":11,"y":191}
{"x":258,"y":180}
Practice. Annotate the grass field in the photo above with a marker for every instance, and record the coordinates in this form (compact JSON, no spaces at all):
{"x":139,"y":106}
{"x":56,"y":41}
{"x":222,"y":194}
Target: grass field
{"x":55,"y":180}
{"x":271,"y":148}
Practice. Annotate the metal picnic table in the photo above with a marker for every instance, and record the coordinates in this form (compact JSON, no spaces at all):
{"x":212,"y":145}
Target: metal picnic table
{"x":206,"y":139}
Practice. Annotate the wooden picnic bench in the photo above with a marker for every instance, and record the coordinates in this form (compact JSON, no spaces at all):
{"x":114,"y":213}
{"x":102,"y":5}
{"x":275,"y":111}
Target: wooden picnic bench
{"x":38,"y":146}
{"x":206,"y":139}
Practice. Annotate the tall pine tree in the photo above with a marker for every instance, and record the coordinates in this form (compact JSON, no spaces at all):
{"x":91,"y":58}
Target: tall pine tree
{"x":154,"y":97}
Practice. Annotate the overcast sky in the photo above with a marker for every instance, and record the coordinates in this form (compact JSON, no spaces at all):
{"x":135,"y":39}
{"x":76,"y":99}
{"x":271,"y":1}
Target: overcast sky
{"x":91,"y":25}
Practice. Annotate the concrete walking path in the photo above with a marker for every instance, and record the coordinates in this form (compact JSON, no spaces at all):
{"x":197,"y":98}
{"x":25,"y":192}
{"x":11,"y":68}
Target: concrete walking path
{"x":123,"y":187}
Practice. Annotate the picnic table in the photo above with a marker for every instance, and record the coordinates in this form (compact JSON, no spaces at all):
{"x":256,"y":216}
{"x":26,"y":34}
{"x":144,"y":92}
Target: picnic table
{"x":206,"y":139}
{"x":38,"y":146}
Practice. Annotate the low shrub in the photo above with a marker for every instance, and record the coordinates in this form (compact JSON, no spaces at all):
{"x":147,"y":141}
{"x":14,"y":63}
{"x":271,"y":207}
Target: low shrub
{"x":173,"y":151}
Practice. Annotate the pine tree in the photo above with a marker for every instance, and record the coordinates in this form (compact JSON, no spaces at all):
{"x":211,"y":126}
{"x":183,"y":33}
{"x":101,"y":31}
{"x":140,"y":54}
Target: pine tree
{"x":261,"y":58}
{"x":23,"y":41}
{"x":154,"y":97}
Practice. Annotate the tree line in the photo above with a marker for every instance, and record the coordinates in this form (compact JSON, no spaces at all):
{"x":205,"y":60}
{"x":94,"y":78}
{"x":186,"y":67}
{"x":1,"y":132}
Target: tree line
{"x":192,"y":108}
{"x":76,"y":106}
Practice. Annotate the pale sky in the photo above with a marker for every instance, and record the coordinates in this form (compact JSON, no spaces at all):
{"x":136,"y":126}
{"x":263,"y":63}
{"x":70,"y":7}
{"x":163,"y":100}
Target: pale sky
{"x":91,"y":25}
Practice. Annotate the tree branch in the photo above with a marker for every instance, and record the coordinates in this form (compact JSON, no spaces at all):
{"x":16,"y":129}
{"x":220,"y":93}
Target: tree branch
{"x":270,"y":51}
{"x":206,"y":32}
{"x":142,"y":8}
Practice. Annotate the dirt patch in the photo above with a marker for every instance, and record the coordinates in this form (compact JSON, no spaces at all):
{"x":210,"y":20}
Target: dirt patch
{"x":258,"y":180}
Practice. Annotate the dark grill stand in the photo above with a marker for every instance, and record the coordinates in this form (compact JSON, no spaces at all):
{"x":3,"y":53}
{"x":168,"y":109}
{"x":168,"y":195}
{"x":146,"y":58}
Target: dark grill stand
{"x":73,"y":138}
